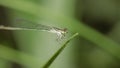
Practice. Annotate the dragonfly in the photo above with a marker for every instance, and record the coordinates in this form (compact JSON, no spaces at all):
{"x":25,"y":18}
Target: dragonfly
{"x":28,"y":25}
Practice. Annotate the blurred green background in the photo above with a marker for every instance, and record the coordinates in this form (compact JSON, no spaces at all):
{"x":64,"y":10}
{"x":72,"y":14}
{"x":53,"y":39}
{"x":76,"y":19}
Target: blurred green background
{"x":96,"y":21}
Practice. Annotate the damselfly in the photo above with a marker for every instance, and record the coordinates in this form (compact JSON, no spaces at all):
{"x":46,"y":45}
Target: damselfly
{"x":27,"y":25}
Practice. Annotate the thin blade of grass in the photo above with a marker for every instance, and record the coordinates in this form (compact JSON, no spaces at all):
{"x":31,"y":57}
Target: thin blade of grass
{"x":51,"y":60}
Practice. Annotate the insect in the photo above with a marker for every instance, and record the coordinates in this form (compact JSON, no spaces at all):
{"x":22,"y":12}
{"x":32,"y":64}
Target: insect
{"x":26,"y":25}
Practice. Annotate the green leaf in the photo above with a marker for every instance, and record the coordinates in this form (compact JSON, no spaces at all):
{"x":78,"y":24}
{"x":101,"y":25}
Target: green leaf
{"x":51,"y":60}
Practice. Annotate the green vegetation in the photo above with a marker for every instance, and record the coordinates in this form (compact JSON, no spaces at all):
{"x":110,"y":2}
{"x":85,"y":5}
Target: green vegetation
{"x":35,"y":12}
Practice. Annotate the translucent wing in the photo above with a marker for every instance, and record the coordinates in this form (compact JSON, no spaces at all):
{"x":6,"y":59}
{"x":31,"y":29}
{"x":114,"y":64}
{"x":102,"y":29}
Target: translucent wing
{"x":30,"y":25}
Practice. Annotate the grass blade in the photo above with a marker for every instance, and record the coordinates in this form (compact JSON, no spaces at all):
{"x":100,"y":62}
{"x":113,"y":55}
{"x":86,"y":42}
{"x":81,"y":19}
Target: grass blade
{"x":51,"y":60}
